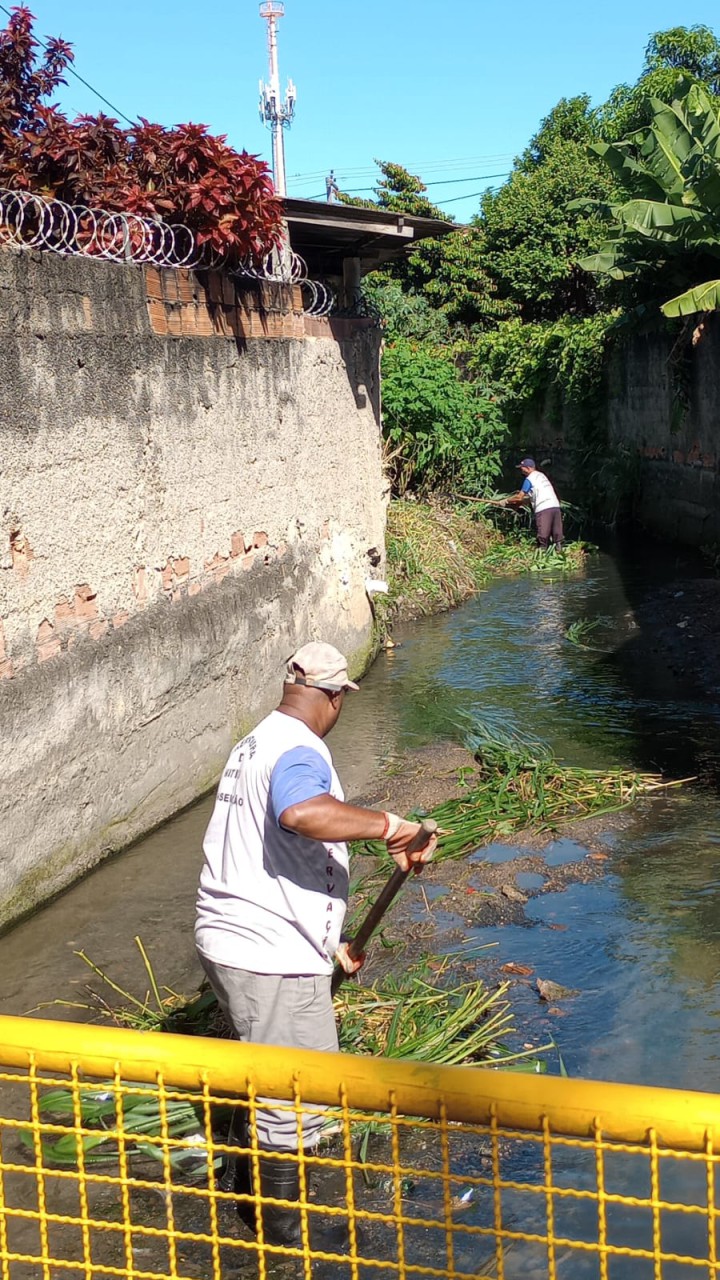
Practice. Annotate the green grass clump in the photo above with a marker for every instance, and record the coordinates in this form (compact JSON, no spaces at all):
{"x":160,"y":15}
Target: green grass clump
{"x":434,"y":556}
{"x":439,"y":556}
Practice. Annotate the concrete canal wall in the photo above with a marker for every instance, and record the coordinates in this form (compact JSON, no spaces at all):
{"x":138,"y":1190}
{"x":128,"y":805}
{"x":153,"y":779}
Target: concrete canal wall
{"x":190,"y":484}
{"x":662,"y":409}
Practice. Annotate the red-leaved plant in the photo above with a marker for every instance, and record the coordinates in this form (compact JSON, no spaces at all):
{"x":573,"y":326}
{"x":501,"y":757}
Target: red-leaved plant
{"x":182,"y":175}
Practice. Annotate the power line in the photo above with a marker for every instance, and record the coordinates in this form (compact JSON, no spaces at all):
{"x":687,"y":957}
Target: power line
{"x":447,"y":182}
{"x":87,"y":84}
{"x":477,"y":177}
{"x":472,"y":196}
{"x":426,"y":166}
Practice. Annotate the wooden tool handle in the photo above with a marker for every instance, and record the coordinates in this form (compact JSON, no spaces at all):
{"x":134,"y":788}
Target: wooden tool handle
{"x":428,"y":827}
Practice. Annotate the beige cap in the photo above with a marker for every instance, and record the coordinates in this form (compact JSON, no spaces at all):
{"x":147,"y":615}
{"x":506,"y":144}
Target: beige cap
{"x":320,"y":665}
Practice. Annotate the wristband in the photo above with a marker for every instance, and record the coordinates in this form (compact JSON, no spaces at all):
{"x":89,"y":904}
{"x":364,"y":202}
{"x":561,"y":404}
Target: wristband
{"x":392,"y":826}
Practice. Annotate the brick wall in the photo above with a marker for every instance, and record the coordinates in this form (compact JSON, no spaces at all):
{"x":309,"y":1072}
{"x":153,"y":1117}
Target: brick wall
{"x":210,"y":304}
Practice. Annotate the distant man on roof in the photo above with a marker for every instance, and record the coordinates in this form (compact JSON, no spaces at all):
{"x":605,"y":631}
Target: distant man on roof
{"x":273,"y":894}
{"x":538,"y":491}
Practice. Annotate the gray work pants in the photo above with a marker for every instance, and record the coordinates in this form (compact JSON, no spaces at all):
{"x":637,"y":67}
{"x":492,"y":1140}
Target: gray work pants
{"x":549,"y":527}
{"x":266,"y":1008}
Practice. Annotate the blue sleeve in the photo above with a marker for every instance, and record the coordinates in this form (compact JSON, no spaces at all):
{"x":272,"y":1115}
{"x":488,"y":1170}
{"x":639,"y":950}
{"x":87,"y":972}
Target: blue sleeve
{"x":526,"y":486}
{"x":299,"y":774}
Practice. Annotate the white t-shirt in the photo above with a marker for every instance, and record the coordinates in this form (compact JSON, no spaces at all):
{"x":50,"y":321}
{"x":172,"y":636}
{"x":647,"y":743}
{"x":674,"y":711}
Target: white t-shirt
{"x":542,"y":495}
{"x":269,"y":900}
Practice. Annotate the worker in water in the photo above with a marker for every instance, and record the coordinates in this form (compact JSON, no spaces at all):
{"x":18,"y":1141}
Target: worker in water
{"x":538,"y":491}
{"x":271,"y":904}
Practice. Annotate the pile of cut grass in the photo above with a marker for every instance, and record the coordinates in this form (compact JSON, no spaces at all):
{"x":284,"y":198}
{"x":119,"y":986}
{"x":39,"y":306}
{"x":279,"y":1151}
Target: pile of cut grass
{"x":521,"y":554}
{"x":519,"y":786}
{"x":422,"y":1016}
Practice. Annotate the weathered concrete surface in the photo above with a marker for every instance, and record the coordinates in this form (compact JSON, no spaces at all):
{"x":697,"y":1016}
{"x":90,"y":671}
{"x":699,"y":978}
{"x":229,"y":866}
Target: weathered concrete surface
{"x":665,"y":406}
{"x":662,"y":406}
{"x":176,"y":515}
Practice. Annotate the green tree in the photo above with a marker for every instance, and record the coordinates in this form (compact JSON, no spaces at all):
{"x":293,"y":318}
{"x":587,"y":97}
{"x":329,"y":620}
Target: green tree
{"x":571,"y":120}
{"x":406,"y":314}
{"x":693,"y":52}
{"x":447,"y":272}
{"x":532,"y":240}
{"x":399,"y":190}
{"x":452,"y":275}
{"x":442,"y":431}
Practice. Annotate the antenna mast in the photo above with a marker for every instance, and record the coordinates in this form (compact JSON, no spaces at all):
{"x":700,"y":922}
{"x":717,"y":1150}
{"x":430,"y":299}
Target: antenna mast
{"x":277,"y":113}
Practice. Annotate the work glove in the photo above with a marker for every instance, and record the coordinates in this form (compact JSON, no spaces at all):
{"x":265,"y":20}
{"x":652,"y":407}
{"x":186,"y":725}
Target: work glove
{"x":397,"y":838}
{"x":346,"y":961}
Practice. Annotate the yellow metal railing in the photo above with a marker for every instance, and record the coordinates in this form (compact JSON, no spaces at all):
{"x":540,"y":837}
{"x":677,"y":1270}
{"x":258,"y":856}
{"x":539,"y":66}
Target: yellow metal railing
{"x":110,"y":1142}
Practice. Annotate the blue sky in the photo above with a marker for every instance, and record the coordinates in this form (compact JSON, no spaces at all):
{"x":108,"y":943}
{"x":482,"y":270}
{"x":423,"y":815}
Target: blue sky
{"x":450,"y":91}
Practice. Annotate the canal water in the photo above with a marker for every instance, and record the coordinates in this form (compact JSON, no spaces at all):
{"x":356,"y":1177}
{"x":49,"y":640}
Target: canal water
{"x":641,"y":945}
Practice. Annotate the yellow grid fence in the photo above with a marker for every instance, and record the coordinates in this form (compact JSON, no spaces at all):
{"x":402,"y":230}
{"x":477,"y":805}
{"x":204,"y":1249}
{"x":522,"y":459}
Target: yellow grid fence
{"x":111,"y":1142}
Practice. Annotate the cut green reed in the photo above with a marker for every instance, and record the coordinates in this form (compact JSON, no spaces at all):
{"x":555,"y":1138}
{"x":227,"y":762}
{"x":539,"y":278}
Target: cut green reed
{"x":518,"y":785}
{"x":580,"y":632}
{"x":419,"y":1015}
{"x":521,"y":554}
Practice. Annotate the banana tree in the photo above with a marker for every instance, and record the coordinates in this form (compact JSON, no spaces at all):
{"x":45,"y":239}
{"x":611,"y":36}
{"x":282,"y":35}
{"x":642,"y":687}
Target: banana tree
{"x":670,"y":221}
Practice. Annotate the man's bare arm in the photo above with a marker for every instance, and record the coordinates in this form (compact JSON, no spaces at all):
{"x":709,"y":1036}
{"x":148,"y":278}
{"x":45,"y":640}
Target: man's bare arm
{"x":324,"y":818}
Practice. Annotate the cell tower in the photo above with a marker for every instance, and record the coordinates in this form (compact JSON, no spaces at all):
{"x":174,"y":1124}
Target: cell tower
{"x":276,"y":112}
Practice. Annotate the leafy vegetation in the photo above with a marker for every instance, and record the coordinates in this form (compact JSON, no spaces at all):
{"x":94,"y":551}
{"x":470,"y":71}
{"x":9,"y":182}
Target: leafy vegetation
{"x":526,"y":361}
{"x":668,"y":226}
{"x":182,"y":175}
{"x":532,"y":240}
{"x":609,"y":215}
{"x":145,"y":1122}
{"x":444,"y":432}
{"x":693,"y":52}
{"x":400,"y":191}
{"x":435,"y":558}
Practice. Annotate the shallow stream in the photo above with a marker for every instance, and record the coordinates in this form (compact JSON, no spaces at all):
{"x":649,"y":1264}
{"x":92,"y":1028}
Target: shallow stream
{"x":641,"y":944}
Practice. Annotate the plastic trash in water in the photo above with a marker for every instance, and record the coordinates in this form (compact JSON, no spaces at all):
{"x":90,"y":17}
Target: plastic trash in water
{"x":465,"y":1200}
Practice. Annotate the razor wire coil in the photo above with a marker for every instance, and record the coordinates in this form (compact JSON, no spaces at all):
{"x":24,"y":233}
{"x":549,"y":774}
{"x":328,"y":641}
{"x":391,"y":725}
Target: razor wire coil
{"x":30,"y":221}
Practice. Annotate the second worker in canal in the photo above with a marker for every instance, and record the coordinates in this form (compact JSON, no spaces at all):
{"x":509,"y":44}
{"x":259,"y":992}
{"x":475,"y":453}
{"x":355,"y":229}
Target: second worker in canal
{"x":272,"y":900}
{"x":539,"y":492}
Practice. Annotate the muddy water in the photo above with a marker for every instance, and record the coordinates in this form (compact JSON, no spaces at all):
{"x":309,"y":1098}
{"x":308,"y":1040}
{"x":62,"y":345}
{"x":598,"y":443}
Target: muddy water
{"x":641,"y":945}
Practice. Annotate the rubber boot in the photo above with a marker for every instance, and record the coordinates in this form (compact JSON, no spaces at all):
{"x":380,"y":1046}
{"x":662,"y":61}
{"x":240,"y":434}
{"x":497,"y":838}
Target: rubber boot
{"x":225,"y":1179}
{"x":234,"y":1175}
{"x":280,"y":1179}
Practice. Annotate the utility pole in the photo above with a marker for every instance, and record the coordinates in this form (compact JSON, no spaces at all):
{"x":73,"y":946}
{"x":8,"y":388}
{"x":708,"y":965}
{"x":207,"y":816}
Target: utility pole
{"x":277,"y":113}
